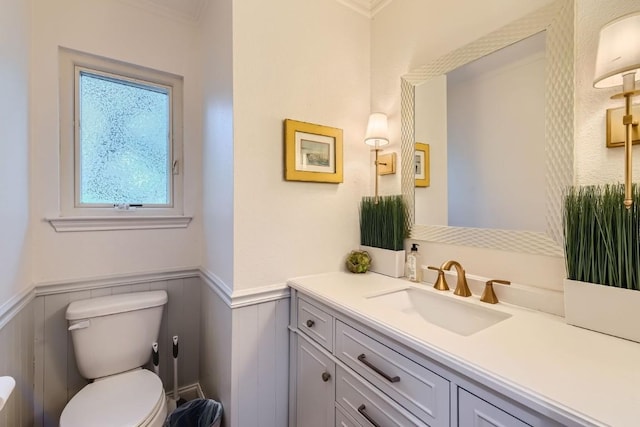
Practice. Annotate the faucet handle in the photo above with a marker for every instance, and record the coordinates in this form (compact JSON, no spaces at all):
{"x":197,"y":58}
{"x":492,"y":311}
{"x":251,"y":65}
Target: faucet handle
{"x":488,"y":295}
{"x":441,"y":282}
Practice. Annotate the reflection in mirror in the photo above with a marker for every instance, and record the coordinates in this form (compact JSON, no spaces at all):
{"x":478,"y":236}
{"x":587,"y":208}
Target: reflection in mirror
{"x":485,"y":123}
{"x":432,"y":221}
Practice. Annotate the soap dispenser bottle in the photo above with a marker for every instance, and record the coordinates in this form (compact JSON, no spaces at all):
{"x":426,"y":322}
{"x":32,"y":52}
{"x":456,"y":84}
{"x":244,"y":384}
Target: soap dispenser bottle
{"x":414,"y":267}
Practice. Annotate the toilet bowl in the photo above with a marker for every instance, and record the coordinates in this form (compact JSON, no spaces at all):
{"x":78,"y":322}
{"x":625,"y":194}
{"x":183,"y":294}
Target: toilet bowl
{"x":112,"y":338}
{"x":134,"y":398}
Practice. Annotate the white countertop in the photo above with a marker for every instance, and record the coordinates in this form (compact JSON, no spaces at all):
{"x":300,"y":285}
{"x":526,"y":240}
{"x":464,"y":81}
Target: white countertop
{"x":591,"y":375}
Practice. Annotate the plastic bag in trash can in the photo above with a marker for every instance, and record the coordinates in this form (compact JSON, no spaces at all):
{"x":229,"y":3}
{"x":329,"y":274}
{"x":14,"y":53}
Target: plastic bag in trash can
{"x":196,"y":413}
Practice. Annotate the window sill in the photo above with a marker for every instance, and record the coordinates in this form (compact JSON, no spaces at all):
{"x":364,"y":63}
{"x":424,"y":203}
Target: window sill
{"x":104,"y":223}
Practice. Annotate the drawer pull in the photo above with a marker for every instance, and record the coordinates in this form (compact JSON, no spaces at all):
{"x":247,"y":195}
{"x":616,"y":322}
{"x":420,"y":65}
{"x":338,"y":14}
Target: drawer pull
{"x":326,"y":376}
{"x":310,"y":323}
{"x":362,"y":410}
{"x":362,"y":358}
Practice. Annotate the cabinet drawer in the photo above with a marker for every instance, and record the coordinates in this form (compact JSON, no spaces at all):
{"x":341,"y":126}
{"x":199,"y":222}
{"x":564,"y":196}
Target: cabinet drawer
{"x":473,"y":411}
{"x":343,"y":419}
{"x":315,"y":323}
{"x":419,"y":390}
{"x":368,"y":407}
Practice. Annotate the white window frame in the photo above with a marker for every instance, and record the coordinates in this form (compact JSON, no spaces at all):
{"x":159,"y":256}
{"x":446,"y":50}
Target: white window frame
{"x":74,"y":216}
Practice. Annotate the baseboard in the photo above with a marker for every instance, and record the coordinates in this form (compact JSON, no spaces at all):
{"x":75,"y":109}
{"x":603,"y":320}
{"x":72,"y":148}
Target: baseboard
{"x":187,"y":392}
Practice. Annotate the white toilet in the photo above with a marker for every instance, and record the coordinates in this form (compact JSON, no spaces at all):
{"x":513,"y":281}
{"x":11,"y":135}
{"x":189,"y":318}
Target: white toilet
{"x":112,"y":338}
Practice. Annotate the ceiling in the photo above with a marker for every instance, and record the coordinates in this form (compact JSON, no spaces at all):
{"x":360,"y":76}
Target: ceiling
{"x":186,"y":10}
{"x":191,"y":10}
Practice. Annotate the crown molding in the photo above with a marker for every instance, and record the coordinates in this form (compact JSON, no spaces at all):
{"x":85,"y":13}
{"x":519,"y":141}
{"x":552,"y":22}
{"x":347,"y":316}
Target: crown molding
{"x":368,"y":8}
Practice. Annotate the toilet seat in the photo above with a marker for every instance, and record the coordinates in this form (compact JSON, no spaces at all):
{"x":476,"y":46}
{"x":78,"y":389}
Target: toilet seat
{"x":133,"y":398}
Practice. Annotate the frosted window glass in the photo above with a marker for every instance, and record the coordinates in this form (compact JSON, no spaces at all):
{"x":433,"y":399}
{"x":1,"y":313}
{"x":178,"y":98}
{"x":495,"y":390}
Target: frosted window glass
{"x":124,"y":142}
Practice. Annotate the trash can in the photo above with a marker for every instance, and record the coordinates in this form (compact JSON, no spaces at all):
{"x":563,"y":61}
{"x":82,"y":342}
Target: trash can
{"x":196,"y":413}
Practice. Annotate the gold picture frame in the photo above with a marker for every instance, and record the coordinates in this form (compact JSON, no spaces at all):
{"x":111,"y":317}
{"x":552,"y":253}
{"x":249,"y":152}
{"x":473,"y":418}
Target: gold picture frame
{"x":421,"y":165}
{"x":312,"y":153}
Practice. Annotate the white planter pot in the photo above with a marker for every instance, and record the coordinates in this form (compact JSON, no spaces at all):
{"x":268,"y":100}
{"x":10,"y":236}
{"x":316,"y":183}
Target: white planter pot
{"x":385,"y":261}
{"x":606,"y":309}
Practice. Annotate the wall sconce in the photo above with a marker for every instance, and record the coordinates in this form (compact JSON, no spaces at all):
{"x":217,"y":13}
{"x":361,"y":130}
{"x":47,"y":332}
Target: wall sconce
{"x":617,"y":62}
{"x":377,"y":136}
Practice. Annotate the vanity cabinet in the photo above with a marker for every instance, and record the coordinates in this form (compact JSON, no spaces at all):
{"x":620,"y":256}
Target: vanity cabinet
{"x":315,"y":373}
{"x":473,"y":411}
{"x":345,"y":420}
{"x":315,"y":323}
{"x":349,"y":375}
{"x":413,"y":386}
{"x":367,"y":405}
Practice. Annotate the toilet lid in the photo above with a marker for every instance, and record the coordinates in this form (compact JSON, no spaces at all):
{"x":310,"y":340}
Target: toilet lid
{"x":126,"y":399}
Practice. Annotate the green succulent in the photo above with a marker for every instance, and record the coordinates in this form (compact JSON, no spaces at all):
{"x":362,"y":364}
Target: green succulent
{"x":358,"y":261}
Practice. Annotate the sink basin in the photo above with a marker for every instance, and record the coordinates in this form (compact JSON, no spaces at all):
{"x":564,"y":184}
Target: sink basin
{"x":455,"y":316}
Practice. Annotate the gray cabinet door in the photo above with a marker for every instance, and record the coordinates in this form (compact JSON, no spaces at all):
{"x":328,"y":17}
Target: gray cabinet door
{"x":315,"y":387}
{"x":475,"y":412}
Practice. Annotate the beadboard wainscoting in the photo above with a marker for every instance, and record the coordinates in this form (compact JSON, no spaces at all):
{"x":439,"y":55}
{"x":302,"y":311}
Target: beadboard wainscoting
{"x":16,"y":360}
{"x":244,"y":357}
{"x":234,"y":344}
{"x":56,"y":378}
{"x":215,"y":349}
{"x":261,"y":365}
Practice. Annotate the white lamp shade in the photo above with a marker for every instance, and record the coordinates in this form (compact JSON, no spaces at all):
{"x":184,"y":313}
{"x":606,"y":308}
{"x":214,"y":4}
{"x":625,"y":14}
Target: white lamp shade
{"x":618,"y":51}
{"x":377,"y":130}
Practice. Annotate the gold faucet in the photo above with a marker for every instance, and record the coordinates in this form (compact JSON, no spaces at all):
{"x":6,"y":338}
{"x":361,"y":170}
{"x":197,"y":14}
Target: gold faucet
{"x":489,"y":295}
{"x":441,"y":282}
{"x":462,"y":289}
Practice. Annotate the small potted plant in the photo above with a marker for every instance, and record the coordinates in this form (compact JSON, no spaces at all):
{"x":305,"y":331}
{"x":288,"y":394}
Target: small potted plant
{"x":358,"y":261}
{"x":602,"y":255}
{"x":383,"y":229}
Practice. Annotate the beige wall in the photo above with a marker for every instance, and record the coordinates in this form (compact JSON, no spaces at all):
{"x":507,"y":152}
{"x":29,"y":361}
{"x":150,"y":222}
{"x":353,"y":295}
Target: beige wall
{"x":123,"y":31}
{"x":14,"y":141}
{"x":594,"y":162}
{"x":307,"y":61}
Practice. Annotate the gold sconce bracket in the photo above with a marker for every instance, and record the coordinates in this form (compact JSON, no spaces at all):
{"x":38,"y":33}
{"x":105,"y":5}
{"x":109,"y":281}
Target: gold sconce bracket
{"x":387,"y":164}
{"x":616,"y":126}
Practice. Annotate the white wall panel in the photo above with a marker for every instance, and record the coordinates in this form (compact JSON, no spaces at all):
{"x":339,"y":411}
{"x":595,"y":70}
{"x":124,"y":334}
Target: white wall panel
{"x":244,"y":360}
{"x":215,"y":350}
{"x":261,"y":360}
{"x":16,"y":360}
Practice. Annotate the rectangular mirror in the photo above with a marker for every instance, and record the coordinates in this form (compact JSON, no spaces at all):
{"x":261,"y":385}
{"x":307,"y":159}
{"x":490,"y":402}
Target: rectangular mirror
{"x":481,"y":194}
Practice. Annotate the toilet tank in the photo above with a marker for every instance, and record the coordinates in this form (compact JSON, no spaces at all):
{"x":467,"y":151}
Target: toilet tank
{"x":114,"y":333}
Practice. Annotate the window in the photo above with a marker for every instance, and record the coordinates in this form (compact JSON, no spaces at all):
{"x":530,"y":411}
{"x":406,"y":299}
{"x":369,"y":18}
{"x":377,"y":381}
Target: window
{"x":124,"y":142}
{"x":121,"y":140}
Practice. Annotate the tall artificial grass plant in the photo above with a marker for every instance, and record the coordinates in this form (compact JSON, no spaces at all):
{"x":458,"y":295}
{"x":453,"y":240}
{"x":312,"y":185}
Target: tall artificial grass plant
{"x":601,"y":236}
{"x":383,"y":224}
